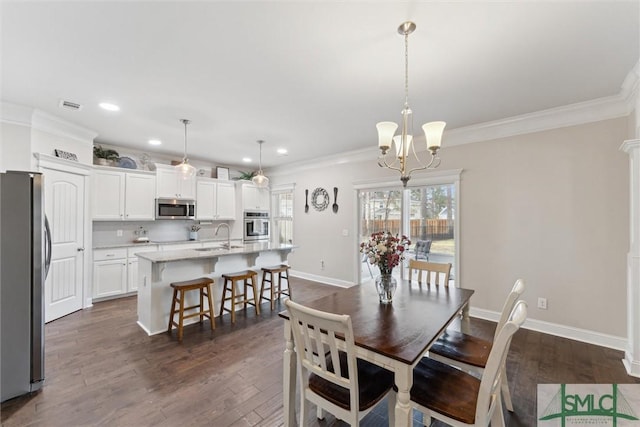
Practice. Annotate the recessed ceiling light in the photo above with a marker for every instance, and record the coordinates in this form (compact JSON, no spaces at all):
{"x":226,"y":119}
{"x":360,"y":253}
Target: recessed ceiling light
{"x":246,"y":159}
{"x":282,"y":151}
{"x":109,"y":107}
{"x":155,"y":142}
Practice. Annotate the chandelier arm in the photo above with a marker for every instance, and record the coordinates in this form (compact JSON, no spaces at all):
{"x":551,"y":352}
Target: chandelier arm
{"x":382,"y":162}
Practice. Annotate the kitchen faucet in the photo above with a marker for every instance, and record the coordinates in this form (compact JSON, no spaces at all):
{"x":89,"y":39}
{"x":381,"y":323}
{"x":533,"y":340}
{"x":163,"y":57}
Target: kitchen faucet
{"x":228,"y":233}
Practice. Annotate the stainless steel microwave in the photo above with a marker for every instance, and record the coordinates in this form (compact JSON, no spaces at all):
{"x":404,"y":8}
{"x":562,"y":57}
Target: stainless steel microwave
{"x":175,"y":209}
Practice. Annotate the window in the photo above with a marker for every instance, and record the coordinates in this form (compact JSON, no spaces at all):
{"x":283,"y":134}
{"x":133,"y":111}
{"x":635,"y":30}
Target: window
{"x":283,"y":216}
{"x":426,"y":211}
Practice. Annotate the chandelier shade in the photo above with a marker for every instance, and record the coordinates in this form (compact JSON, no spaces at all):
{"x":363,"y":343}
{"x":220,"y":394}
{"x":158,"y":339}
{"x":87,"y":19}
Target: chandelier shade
{"x":184,"y":169}
{"x":405,"y":146}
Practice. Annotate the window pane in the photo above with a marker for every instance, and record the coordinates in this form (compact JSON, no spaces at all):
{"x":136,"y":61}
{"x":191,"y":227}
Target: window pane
{"x":432,"y":219}
{"x":380,"y":211}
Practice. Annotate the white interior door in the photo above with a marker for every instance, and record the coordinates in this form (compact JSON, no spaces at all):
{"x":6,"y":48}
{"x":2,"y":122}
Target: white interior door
{"x":64,"y":206}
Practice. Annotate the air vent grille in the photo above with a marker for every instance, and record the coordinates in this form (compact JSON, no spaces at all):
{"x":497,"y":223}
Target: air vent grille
{"x":70,"y":105}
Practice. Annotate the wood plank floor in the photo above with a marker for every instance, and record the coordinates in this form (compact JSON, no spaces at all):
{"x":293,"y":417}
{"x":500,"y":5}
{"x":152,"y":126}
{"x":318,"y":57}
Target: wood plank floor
{"x":103,"y":370}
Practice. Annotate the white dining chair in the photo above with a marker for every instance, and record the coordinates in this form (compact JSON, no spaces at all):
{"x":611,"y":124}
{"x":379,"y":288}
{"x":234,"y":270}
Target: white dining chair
{"x":458,"y":398}
{"x":339,"y":383}
{"x":434,"y":273}
{"x":471,"y":353}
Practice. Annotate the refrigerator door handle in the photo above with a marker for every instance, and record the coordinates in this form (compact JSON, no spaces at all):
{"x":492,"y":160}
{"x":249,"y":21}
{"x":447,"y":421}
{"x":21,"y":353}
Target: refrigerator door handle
{"x":47,"y":238}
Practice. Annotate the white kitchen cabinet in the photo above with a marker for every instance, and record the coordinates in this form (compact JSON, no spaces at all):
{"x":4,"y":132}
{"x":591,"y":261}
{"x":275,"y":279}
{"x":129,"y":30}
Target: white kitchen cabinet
{"x":254,"y":198}
{"x":109,"y":272}
{"x":115,"y":271}
{"x":215,"y":200}
{"x":171,"y":185}
{"x":122,"y":196}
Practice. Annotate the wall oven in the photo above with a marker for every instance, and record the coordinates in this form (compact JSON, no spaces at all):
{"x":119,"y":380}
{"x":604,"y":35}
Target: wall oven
{"x":175,"y":209}
{"x":256,"y":226}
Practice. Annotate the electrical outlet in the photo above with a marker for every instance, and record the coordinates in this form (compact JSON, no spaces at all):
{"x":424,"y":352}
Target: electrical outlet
{"x":321,"y":264}
{"x":119,"y":233}
{"x":542,"y":303}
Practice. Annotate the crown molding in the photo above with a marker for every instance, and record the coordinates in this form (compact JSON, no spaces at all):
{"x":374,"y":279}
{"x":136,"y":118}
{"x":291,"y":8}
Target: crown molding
{"x":610,"y":107}
{"x":39,"y":120}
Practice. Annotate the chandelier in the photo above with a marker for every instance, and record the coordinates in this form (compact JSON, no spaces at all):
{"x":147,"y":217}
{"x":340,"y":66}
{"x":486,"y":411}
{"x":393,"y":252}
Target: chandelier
{"x":185,"y":170}
{"x":404,"y":143}
{"x":259,"y":179}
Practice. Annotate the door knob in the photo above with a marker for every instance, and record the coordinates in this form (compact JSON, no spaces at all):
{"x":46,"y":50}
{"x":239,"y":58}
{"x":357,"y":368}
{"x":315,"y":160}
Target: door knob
{"x":80,"y":249}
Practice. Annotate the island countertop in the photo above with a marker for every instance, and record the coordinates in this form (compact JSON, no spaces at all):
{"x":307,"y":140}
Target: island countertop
{"x":200,"y":253}
{"x":157,"y":270}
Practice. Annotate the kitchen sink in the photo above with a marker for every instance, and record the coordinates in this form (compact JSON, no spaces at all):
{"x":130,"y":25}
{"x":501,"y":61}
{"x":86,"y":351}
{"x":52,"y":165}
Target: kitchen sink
{"x":210,"y":249}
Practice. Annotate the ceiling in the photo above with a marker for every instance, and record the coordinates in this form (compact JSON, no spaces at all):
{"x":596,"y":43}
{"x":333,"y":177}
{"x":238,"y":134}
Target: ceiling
{"x":312,"y":77}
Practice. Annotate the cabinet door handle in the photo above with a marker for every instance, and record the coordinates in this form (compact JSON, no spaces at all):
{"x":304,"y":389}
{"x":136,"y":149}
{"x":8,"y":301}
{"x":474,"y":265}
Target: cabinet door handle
{"x":110,"y":255}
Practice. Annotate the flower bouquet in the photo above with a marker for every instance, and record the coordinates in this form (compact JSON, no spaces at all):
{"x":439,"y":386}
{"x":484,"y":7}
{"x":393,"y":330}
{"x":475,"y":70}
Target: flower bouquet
{"x":386,"y":251}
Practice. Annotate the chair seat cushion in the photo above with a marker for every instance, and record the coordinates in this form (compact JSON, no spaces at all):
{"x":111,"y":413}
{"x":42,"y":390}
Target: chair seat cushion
{"x":373,"y":383}
{"x":463,"y":348}
{"x":446,"y":390}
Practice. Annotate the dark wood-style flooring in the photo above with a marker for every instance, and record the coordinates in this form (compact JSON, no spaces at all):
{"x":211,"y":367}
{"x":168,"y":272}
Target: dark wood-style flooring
{"x":103,"y":370}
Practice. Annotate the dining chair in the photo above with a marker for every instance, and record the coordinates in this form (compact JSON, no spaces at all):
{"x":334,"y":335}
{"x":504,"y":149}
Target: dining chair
{"x":458,"y":398}
{"x":339,"y":383}
{"x":471,"y":353}
{"x":432,"y":272}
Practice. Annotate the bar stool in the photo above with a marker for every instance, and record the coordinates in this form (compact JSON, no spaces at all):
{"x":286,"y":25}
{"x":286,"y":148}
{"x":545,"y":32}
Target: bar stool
{"x":179,"y":290}
{"x":230,"y":281}
{"x":283,"y":273}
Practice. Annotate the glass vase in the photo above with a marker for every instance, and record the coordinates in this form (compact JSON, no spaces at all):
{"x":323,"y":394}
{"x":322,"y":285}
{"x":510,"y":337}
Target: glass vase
{"x":386,"y":286}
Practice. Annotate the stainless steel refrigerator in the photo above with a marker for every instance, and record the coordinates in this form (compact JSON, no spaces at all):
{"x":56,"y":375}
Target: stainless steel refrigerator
{"x":25,"y":253}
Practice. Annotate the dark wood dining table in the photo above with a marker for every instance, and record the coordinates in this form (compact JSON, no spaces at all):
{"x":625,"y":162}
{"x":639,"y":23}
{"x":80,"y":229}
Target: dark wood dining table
{"x":394,"y":336}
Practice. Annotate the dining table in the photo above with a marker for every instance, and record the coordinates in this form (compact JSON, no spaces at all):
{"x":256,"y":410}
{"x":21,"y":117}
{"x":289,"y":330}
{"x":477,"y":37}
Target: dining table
{"x":395,"y":335}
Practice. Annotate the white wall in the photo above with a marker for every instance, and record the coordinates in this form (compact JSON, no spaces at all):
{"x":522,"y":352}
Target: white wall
{"x":15,"y":147}
{"x":551,"y":207}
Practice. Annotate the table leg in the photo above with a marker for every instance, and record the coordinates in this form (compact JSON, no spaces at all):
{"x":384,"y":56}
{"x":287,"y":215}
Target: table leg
{"x":289,"y":377}
{"x":404,"y":381}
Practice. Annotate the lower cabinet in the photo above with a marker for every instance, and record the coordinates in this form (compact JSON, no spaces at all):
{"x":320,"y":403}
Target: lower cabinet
{"x":109,"y":272}
{"x":115,"y":271}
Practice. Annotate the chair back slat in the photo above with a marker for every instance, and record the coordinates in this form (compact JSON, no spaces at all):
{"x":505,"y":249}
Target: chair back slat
{"x":321,"y":334}
{"x":489,"y":393}
{"x":509,"y":304}
{"x":434,"y":273}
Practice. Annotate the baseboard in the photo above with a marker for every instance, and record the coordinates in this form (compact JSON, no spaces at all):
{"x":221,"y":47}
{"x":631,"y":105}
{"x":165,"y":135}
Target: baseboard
{"x":632,"y":366}
{"x":583,"y":335}
{"x":321,"y":279}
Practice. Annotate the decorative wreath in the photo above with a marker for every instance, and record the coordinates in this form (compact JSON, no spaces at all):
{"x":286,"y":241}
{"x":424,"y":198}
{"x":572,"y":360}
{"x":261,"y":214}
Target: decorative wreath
{"x":320,"y":199}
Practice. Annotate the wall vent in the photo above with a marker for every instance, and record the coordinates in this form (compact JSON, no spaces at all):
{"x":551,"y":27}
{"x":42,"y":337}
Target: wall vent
{"x":70,"y":105}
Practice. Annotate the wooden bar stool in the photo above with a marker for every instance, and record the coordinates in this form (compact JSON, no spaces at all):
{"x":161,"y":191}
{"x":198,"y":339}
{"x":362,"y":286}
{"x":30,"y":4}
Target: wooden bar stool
{"x":236,"y":298}
{"x":283,"y":273}
{"x":179,"y":291}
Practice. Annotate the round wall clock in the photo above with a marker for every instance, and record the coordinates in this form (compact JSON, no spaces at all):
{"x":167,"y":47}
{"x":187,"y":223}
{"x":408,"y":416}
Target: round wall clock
{"x":320,"y":199}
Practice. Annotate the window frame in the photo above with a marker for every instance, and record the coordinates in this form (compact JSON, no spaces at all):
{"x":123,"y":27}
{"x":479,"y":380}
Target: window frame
{"x":438,"y":177}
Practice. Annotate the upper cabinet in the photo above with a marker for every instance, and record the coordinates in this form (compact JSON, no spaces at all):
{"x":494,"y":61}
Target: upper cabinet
{"x":171,"y":185}
{"x":254,"y":198}
{"x":123,"y":196}
{"x":215,"y":200}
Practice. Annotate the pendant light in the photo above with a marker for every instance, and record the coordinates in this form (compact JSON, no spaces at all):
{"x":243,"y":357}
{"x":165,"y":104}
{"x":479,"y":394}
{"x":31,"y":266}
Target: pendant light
{"x":259,"y":179}
{"x":185,"y":170}
{"x":404,"y":141}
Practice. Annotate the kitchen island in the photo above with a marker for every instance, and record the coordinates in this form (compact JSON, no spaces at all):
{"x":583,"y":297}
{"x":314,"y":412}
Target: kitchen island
{"x":157,"y":270}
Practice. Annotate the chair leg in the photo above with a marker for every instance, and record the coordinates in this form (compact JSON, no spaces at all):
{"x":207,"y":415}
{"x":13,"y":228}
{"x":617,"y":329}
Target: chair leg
{"x":201,"y":305}
{"x":274,"y":292}
{"x":212,"y":318}
{"x":497,"y":418}
{"x":255,"y":293}
{"x":319,"y":413}
{"x":173,"y":310}
{"x":506,"y":394}
{"x":181,"y":317}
